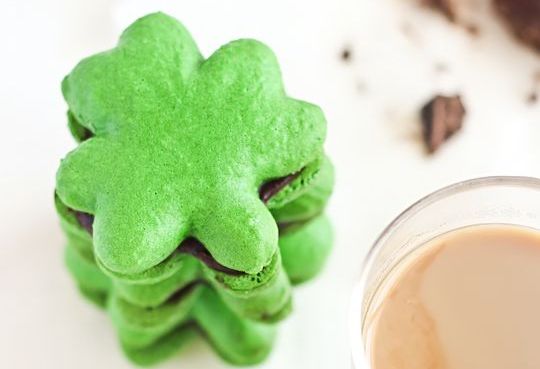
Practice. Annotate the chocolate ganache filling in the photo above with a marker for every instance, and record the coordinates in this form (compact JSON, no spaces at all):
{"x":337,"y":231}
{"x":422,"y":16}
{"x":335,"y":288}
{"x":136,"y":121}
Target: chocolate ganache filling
{"x":85,"y":220}
{"x":194,"y":247}
{"x":272,"y":187}
{"x":189,"y":246}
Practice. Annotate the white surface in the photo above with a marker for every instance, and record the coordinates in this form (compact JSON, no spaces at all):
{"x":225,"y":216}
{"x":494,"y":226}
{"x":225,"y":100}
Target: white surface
{"x":371,"y":104}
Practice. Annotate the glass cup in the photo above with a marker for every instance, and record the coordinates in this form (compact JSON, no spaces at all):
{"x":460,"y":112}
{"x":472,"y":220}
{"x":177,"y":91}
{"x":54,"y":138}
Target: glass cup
{"x":489,"y":200}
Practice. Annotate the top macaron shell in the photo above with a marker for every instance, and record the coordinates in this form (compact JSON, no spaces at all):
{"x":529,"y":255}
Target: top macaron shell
{"x":180,"y":145}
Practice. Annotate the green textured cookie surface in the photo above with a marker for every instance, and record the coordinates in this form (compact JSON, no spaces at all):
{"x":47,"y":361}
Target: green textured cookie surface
{"x":181,"y":145}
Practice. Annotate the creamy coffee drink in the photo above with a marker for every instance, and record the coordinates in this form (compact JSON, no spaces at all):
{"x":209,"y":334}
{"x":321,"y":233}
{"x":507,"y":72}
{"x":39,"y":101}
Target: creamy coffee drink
{"x":469,"y":299}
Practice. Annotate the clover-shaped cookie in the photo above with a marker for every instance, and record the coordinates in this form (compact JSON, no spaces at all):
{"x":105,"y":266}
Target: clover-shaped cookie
{"x":180,"y":147}
{"x":194,"y":180}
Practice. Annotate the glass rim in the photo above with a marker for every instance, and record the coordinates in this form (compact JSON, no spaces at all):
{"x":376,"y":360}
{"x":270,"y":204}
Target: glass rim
{"x":356,"y":318}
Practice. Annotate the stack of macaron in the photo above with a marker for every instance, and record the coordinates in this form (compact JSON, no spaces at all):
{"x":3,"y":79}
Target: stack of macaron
{"x":195,"y":196}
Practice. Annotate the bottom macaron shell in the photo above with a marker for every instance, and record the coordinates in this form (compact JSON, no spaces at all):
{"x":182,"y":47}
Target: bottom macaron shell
{"x":163,"y":348}
{"x":305,"y":250}
{"x":150,"y":335}
{"x":238,"y":341}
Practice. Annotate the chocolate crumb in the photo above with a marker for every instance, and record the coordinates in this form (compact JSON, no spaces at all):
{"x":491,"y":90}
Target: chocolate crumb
{"x":532,"y":98}
{"x":522,"y":18}
{"x":346,"y":54}
{"x":445,"y":7}
{"x":442,"y":116}
{"x":472,"y":29}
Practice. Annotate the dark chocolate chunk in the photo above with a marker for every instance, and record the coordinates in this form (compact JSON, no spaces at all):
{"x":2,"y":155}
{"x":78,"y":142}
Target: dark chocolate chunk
{"x":195,"y":248}
{"x":445,"y":7}
{"x":522,"y":18}
{"x":271,"y":188}
{"x":442,"y":116}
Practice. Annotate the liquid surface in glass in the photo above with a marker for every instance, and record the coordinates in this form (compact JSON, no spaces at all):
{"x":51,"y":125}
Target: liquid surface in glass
{"x":469,"y":299}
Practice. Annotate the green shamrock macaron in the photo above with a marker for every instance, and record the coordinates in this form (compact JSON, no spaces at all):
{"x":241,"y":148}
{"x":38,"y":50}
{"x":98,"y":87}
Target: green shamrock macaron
{"x":196,"y":191}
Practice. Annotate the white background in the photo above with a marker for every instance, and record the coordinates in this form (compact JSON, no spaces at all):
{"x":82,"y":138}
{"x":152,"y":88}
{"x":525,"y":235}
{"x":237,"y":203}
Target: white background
{"x":371,"y":104}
